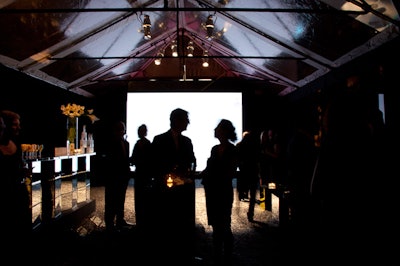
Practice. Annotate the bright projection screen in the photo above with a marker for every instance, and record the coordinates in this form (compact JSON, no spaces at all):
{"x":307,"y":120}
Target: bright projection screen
{"x":205,"y":109}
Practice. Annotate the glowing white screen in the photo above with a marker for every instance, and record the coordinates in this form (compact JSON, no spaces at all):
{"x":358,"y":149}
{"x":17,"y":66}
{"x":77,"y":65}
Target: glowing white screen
{"x":205,"y":112}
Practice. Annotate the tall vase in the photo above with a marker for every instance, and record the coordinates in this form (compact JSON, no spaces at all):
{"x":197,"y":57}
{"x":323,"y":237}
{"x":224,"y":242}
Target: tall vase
{"x":72,"y":135}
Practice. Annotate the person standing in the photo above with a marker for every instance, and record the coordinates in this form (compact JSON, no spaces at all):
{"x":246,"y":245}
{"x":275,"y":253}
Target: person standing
{"x":141,"y":158}
{"x":348,"y":167}
{"x":16,"y":203}
{"x":173,"y":155}
{"x":270,"y":164}
{"x":249,"y":154}
{"x":242,"y":185}
{"x":301,"y":156}
{"x":117,"y":180}
{"x":173,"y":152}
{"x":217,"y":181}
{"x":141,"y":155}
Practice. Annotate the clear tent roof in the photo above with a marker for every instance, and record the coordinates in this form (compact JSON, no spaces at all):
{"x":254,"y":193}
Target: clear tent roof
{"x":79,"y":45}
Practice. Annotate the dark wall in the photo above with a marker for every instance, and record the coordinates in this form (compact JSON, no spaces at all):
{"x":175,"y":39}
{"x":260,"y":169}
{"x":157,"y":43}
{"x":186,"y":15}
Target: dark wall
{"x":262,"y":111}
{"x":39,"y":104}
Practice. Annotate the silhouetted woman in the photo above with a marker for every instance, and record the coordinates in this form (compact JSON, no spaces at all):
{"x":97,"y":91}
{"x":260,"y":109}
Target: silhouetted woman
{"x":217,"y":180}
{"x":17,"y":219}
{"x":141,"y":158}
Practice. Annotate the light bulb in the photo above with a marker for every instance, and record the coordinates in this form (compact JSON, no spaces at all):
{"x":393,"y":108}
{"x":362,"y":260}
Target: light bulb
{"x":174,"y":49}
{"x":190,"y":49}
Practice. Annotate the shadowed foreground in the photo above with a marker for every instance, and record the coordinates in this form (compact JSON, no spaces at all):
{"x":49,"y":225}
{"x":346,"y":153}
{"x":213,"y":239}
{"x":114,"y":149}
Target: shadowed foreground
{"x":262,"y":242}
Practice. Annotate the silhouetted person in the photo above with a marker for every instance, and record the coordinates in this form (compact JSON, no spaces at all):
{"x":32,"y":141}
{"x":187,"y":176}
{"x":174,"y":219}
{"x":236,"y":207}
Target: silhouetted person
{"x":242,"y":186}
{"x":173,"y":155}
{"x":217,"y":180}
{"x":116,"y":181}
{"x":248,"y":179}
{"x":348,"y":170}
{"x":141,"y":158}
{"x":270,"y":164}
{"x":173,"y":152}
{"x":16,"y":199}
{"x":301,"y":159}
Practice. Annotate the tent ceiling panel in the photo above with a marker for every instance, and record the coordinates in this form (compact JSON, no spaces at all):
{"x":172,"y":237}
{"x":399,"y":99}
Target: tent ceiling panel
{"x":80,"y":45}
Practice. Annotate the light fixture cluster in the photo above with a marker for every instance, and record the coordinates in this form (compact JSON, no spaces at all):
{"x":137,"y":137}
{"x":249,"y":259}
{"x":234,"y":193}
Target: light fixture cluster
{"x":174,"y":53}
{"x":208,"y":25}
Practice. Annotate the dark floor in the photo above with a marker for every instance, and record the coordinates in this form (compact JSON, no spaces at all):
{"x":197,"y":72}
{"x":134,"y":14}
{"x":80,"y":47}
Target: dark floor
{"x":260,"y":243}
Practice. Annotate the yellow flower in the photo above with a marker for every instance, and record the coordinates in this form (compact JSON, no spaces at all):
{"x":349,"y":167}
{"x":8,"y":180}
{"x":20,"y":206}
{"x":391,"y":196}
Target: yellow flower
{"x":75,"y":110}
{"x":72,"y":110}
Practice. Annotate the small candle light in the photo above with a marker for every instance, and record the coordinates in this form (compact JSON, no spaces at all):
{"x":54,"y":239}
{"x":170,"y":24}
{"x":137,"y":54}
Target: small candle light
{"x":170,"y":181}
{"x":271,"y":185}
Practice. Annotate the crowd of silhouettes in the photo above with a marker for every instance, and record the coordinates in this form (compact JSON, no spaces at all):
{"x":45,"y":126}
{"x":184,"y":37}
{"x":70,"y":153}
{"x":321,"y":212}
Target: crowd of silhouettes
{"x":327,"y":184}
{"x":324,"y":182}
{"x":350,"y":162}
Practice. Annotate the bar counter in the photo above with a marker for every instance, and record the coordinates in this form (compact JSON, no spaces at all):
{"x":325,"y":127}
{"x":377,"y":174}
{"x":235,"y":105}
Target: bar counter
{"x":60,"y":189}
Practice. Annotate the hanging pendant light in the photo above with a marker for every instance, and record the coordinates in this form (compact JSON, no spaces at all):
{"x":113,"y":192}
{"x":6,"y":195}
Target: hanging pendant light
{"x":190,"y":49}
{"x":174,"y":48}
{"x":205,"y":59}
{"x":146,"y":27}
{"x":159,"y":57}
{"x":210,"y":27}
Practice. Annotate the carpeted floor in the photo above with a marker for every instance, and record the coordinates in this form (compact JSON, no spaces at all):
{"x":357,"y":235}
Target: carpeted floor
{"x":259,"y":243}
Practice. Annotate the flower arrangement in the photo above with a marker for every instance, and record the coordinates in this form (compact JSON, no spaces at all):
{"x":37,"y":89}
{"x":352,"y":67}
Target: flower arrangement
{"x":72,"y":110}
{"x":75,"y":110}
